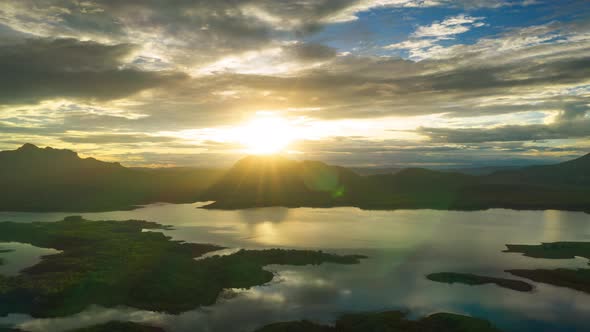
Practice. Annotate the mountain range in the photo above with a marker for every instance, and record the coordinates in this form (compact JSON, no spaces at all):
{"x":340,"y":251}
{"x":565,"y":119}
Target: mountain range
{"x":46,"y":179}
{"x":36,"y":179}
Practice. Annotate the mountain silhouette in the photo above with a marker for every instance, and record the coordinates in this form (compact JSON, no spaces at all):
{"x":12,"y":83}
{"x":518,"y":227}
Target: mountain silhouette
{"x":276,"y":181}
{"x":47,"y":179}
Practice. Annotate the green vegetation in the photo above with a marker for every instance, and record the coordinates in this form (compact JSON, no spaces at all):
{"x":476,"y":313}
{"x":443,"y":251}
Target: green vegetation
{"x":578,"y":279}
{"x":113,"y":263}
{"x":114,"y":326}
{"x":554,"y":250}
{"x":473,"y":279}
{"x":120,"y":327}
{"x":8,"y":329}
{"x":3,"y":251}
{"x":392,"y":321}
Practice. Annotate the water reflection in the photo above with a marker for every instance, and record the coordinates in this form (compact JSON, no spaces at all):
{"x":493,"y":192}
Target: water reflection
{"x":19,"y":256}
{"x":403,"y":247}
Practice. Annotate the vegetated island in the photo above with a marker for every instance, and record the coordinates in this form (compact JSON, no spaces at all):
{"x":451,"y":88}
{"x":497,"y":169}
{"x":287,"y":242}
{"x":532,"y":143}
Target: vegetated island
{"x":114,"y":326}
{"x":120,"y":327}
{"x":8,"y":329}
{"x":473,"y":279}
{"x":578,"y":279}
{"x":388,"y":321}
{"x":3,"y":251}
{"x":112,"y":263}
{"x":361,"y":322}
{"x":47,"y":179}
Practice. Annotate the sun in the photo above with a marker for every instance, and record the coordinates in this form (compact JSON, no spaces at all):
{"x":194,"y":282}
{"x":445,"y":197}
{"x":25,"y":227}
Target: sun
{"x":266,"y":135}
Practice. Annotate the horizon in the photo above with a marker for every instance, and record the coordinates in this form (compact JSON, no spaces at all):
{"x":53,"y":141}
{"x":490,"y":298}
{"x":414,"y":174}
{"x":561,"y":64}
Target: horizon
{"x":356,"y":83}
{"x":294,"y":158}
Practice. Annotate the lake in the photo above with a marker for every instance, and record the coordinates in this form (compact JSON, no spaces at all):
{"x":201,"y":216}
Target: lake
{"x":403,"y":246}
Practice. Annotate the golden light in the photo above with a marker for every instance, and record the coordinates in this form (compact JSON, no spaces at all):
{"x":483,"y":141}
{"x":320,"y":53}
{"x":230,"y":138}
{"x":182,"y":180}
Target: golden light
{"x":266,"y":135}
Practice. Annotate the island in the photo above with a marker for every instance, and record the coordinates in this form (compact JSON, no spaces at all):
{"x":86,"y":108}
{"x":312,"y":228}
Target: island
{"x":120,"y":327}
{"x":3,"y":251}
{"x":578,"y":279}
{"x":473,"y":279}
{"x":552,"y":250}
{"x":388,"y":321}
{"x":113,"y":263}
{"x":114,"y":326}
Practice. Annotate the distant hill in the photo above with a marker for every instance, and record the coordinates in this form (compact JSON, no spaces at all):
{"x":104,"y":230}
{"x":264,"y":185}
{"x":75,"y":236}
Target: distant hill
{"x":485,"y":170}
{"x":273,"y":180}
{"x":36,"y":179}
{"x":276,"y":181}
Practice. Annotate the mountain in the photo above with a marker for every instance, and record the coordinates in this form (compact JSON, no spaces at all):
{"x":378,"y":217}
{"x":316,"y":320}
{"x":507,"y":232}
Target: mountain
{"x":485,"y":170}
{"x":36,"y":179}
{"x":574,"y":173}
{"x":276,"y":181}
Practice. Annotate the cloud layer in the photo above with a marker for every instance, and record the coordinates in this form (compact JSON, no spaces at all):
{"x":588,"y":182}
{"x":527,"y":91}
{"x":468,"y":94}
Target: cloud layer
{"x":169,"y":78}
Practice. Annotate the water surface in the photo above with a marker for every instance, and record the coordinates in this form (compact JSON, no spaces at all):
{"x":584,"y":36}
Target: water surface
{"x":403,"y":246}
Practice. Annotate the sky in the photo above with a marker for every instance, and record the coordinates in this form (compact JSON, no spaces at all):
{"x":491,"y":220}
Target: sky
{"x":371,"y":83}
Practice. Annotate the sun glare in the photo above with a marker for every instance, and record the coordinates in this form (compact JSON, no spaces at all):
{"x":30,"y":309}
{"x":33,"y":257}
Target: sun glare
{"x":266,"y":135}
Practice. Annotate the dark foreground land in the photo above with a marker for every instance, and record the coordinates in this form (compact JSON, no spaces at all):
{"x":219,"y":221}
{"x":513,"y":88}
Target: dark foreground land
{"x":59,"y":180}
{"x":113,"y":263}
{"x":120,"y":327}
{"x":392,"y":321}
{"x":473,"y":279}
{"x":2,"y":251}
{"x":108,"y":327}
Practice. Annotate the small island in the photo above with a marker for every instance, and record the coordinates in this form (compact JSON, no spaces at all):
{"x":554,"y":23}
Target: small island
{"x":578,"y":279}
{"x":388,"y":321}
{"x":112,"y":263}
{"x":552,"y":250}
{"x":473,"y":279}
{"x":3,"y":251}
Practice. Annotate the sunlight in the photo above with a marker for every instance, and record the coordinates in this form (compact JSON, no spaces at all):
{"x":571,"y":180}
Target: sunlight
{"x":266,"y":135}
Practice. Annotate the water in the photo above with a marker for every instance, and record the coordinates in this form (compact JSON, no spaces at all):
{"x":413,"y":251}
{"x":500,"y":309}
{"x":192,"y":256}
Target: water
{"x":20,"y":256}
{"x":403,"y":246}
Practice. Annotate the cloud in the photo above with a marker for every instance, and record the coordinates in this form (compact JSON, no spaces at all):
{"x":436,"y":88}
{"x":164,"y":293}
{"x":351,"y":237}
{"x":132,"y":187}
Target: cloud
{"x":426,"y":38}
{"x":450,"y":26}
{"x":38,"y":69}
{"x":572,"y":122}
{"x":117,"y":138}
{"x":122,"y":72}
{"x":365,"y":152}
{"x":170,"y":30}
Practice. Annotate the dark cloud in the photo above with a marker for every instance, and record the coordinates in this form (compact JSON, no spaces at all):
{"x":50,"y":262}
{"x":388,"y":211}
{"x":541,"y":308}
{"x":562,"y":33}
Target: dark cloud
{"x":572,"y":122}
{"x":364,"y":152}
{"x":310,"y":52}
{"x":117,"y":139}
{"x":37,"y":69}
{"x":107,"y":52}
